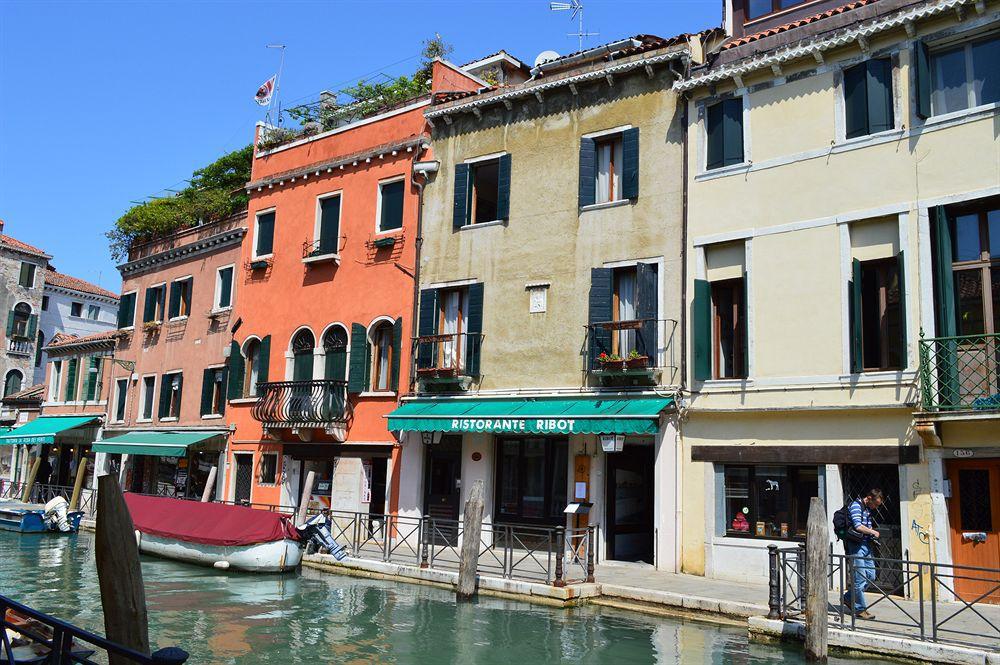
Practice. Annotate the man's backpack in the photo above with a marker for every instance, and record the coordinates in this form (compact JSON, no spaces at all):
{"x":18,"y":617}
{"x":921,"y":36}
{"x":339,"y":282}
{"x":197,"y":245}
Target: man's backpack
{"x":842,"y":522}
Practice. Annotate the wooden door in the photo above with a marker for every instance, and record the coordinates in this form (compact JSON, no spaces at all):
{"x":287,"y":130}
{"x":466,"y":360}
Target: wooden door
{"x":243,"y":481}
{"x":974,"y":513}
{"x":630,"y":503}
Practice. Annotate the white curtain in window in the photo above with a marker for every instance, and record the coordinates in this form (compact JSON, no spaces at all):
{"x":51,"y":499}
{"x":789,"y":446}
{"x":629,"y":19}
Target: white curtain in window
{"x":603,"y":172}
{"x":449,"y":349}
{"x":384,"y":343}
{"x":253,"y":360}
{"x":626,"y":311}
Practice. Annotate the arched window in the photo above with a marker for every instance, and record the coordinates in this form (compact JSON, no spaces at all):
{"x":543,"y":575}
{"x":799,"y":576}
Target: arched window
{"x":12,"y":382}
{"x":303,"y":345}
{"x":381,"y":341}
{"x":335,"y":347}
{"x":251,"y":351}
{"x":19,"y":318}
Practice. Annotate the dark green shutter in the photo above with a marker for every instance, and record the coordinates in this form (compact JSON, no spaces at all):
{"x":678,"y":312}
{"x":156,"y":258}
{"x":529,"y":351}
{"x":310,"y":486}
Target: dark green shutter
{"x":461,"y":200}
{"x":630,"y":163}
{"x":71,"y":371}
{"x":474,"y":329}
{"x":391,"y":214}
{"x":264,"y":359}
{"x":222,"y":391}
{"x":503,"y":188}
{"x":302,"y":365}
{"x":647,"y":307}
{"x":90,"y":380}
{"x":713,"y":134}
{"x":879,"y":86}
{"x":427,"y":325}
{"x":149,"y":308}
{"x":329,"y":225}
{"x":944,"y":277}
{"x":22,"y":278}
{"x":357,"y":370}
{"x":32,"y":326}
{"x":744,"y":326}
{"x":187,"y":293}
{"x":588,"y":172}
{"x":225,"y":287}
{"x":901,"y":266}
{"x":237,"y":366}
{"x":126,"y":311}
{"x":175,"y":300}
{"x":856,"y":100}
{"x":397,"y":348}
{"x":207,"y":384}
{"x":732,"y":131}
{"x":701,"y":330}
{"x":265,"y":234}
{"x":854,"y":320}
{"x":922,"y":79}
{"x":599,"y":311}
{"x":164,"y":409}
{"x":180,"y":393}
{"x":10,"y":323}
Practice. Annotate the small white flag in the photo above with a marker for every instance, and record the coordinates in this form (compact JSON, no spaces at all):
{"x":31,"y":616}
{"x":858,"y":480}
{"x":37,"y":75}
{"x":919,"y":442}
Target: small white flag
{"x":264,"y":92}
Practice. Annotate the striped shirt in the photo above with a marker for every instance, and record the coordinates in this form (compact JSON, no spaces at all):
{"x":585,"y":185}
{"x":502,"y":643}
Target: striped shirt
{"x":860,"y":515}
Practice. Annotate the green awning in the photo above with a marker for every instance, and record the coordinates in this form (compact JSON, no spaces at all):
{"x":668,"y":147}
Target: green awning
{"x":43,"y":430}
{"x":579,"y":415}
{"x":161,"y":444}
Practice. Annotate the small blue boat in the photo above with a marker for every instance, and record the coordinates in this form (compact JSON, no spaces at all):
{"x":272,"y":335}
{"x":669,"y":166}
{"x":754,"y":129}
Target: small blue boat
{"x":30,"y":518}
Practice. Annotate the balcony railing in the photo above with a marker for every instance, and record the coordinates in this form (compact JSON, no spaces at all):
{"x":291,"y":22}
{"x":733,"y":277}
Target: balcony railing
{"x":302,"y":403}
{"x":636,"y":347}
{"x":445,"y":356}
{"x":960,"y":373}
{"x":20,"y":347}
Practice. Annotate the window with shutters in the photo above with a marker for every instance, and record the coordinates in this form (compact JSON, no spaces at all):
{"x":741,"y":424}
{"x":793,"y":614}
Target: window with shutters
{"x":381,"y":362}
{"x":76,"y":309}
{"x":12,"y":383}
{"x":148,"y":396}
{"x":121,"y":399}
{"x":92,"y":378}
{"x":155,"y":304}
{"x":263,"y":245}
{"x":251,"y":372}
{"x":335,"y":353}
{"x":268,"y":469}
{"x":27,"y":276}
{"x":724,"y":133}
{"x":390,"y":205}
{"x":126,"y":310}
{"x":214,"y":392}
{"x":72,"y":379}
{"x":624,"y":298}
{"x":868,"y":99}
{"x":327,"y":229}
{"x":171,"y":388}
{"x":728,"y":330}
{"x":223,"y":299}
{"x":451,"y":328}
{"x":55,"y":380}
{"x":180,"y":298}
{"x":482,"y":190}
{"x":609,"y":167}
{"x":20,"y":321}
{"x":965,"y":76}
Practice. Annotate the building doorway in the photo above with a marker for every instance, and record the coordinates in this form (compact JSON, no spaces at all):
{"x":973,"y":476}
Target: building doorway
{"x":857,"y":480}
{"x":630,"y":503}
{"x":243,"y":478}
{"x":974,"y":514}
{"x":443,"y":488}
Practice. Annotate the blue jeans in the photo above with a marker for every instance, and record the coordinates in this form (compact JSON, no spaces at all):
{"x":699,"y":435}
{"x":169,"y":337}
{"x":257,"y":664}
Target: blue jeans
{"x":864,"y":573}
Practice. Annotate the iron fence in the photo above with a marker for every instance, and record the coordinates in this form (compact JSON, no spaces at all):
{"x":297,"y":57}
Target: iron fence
{"x":931,"y":601}
{"x":960,"y":373}
{"x":631,"y":348}
{"x":446,"y":356}
{"x":42,"y":494}
{"x":288,"y":403}
{"x":61,"y":642}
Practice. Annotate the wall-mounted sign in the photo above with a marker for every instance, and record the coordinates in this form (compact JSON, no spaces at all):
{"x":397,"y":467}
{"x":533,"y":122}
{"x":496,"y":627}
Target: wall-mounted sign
{"x":476,"y":456}
{"x":533,"y":425}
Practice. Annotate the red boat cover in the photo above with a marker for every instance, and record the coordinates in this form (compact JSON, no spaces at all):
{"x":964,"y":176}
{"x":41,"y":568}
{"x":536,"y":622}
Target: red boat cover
{"x":207,"y":523}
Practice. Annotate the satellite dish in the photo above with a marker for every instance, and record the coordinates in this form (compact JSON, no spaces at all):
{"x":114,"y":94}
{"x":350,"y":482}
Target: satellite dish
{"x":546,"y":56}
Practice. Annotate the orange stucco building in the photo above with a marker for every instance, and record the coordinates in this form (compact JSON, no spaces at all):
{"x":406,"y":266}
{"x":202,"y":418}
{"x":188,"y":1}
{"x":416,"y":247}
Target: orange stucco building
{"x":322,"y":344}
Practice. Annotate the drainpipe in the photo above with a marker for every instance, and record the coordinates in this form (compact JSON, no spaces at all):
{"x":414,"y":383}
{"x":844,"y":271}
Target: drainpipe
{"x":423,"y":169}
{"x":684,"y":247}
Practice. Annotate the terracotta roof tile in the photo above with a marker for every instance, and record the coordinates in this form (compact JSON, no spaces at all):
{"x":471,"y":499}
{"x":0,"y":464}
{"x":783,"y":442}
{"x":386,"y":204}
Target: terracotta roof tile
{"x":14,"y":243}
{"x":746,"y":39}
{"x":60,"y":340}
{"x":76,"y":284}
{"x":34,"y":392}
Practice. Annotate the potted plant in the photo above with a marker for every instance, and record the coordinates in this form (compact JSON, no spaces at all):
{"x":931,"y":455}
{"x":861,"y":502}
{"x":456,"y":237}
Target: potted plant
{"x":636,"y":361}
{"x":610,"y":362}
{"x":151,"y":326}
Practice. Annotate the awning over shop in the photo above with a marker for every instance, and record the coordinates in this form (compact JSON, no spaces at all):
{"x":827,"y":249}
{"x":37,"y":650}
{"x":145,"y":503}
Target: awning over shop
{"x":161,"y":444}
{"x":43,"y":430}
{"x":570,"y":415}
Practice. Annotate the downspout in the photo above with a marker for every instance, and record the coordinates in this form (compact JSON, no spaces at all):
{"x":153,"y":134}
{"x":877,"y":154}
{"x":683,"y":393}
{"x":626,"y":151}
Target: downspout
{"x":418,"y":245}
{"x":679,"y":496}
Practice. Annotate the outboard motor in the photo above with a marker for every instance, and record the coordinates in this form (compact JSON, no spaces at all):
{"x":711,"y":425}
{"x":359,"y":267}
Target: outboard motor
{"x":56,"y":514}
{"x":316,"y":532}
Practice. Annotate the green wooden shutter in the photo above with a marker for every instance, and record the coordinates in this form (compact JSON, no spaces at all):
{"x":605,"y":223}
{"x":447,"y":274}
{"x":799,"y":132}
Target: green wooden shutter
{"x":302,"y":365}
{"x":647,"y":307}
{"x":461,"y":196}
{"x":630,"y":163}
{"x":901,"y":267}
{"x":473,"y":329}
{"x":71,"y":371}
{"x":599,"y":303}
{"x":164,"y":409}
{"x":32,"y":326}
{"x":89,"y":381}
{"x":329,"y":225}
{"x":125,"y":304}
{"x":503,"y":188}
{"x":744,"y":326}
{"x":175,"y":300}
{"x":225,"y":287}
{"x":264,"y":359}
{"x":121,"y":311}
{"x":856,"y":100}
{"x":23,"y":277}
{"x":713,"y":136}
{"x":222,"y":391}
{"x":149,"y":308}
{"x":854,"y":319}
{"x":732,"y":131}
{"x":588,"y":172}
{"x":701,"y":330}
{"x":265,"y":234}
{"x":427,"y":325}
{"x":397,"y":348}
{"x":357,"y":371}
{"x":944,"y":277}
{"x":237,"y":366}
{"x":180,"y":393}
{"x":10,"y":323}
{"x":187,"y":294}
{"x":879,"y":87}
{"x":922,"y":79}
{"x":207,"y":384}
{"x":392,"y":205}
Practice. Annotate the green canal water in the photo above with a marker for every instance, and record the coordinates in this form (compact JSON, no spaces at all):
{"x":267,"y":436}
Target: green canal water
{"x":320,"y":618}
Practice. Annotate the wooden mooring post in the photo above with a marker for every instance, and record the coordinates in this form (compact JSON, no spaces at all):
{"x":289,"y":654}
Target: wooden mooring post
{"x":307,"y":491}
{"x":471,"y":530}
{"x":32,"y":474}
{"x":816,"y":566}
{"x":206,"y":496}
{"x":81,"y":473}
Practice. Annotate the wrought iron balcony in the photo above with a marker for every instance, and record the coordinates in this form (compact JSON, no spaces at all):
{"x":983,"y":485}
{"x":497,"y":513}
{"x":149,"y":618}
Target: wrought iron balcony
{"x":20,"y":346}
{"x":448,"y":357}
{"x":636,"y":350}
{"x":319,"y":403}
{"x":960,"y":373}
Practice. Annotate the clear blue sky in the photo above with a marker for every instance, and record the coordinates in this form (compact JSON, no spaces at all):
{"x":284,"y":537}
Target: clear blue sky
{"x":105,"y":103}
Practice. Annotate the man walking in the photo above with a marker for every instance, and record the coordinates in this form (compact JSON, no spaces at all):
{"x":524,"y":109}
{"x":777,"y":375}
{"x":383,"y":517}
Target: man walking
{"x":859,"y":548}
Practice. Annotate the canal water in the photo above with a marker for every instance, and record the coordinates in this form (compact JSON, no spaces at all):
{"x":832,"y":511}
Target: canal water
{"x":222,"y":617}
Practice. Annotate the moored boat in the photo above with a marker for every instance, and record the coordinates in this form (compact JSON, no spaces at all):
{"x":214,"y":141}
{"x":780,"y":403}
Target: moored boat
{"x":215,"y":534}
{"x":52,"y":517}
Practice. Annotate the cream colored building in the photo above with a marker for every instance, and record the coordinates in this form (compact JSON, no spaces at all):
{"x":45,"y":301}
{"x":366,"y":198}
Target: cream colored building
{"x":822,"y":156}
{"x":552,"y":232}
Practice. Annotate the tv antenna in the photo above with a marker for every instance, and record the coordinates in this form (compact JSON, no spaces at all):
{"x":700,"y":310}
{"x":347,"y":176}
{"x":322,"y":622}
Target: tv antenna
{"x":576,"y":7}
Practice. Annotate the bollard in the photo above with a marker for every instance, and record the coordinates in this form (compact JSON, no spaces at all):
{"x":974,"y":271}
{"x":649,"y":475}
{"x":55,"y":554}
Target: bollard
{"x":423,"y":540}
{"x":560,"y":554}
{"x":773,"y":582}
{"x":591,"y":544}
{"x":801,"y":577}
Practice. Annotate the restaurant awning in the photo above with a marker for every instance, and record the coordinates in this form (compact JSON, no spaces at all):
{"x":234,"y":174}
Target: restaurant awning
{"x":43,"y":430}
{"x":532,"y":415}
{"x":161,"y":444}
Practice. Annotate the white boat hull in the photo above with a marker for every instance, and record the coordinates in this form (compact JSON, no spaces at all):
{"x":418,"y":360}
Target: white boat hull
{"x":274,"y":557}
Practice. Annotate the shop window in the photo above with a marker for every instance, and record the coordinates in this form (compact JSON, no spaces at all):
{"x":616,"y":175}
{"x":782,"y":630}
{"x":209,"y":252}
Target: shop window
{"x":768,"y":501}
{"x":268,"y":468}
{"x":531,"y":480}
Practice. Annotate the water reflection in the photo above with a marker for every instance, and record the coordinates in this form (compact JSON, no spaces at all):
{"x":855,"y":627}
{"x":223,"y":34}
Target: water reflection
{"x":225,"y":617}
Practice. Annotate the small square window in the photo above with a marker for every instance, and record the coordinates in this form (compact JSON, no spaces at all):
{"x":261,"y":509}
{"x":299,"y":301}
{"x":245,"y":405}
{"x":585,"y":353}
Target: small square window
{"x":724,"y":130}
{"x":27,"y":277}
{"x":45,"y":303}
{"x":93,"y":312}
{"x":76,"y":309}
{"x":264,"y":241}
{"x":268,"y":468}
{"x":391,"y":205}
